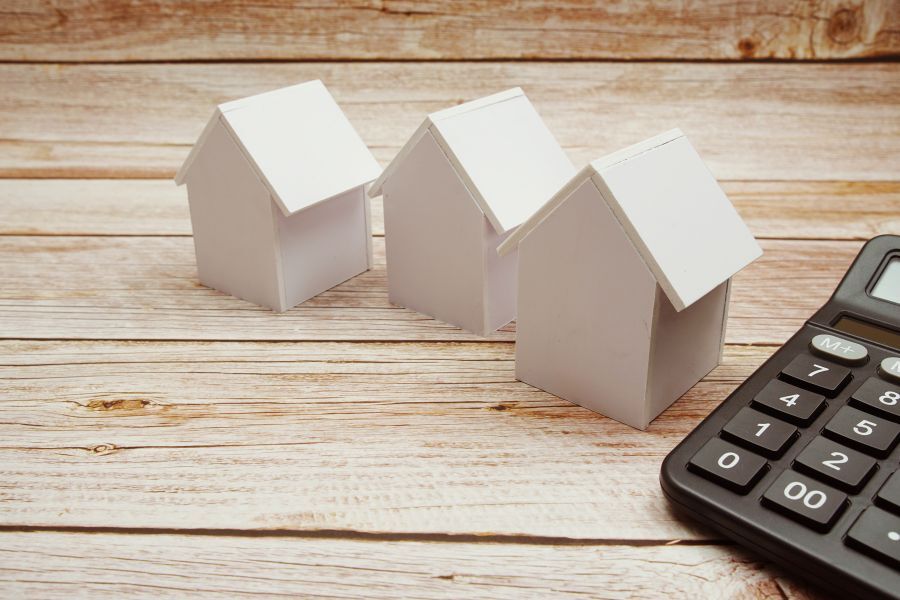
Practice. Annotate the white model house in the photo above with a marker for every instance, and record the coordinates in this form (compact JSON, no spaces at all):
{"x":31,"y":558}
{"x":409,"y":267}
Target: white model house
{"x":468,"y":176}
{"x":624,"y":279}
{"x":276,"y":186}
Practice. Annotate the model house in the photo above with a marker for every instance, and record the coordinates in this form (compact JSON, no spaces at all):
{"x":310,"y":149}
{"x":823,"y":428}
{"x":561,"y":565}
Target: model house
{"x":467,"y":177}
{"x":276,"y":186}
{"x":624,"y":278}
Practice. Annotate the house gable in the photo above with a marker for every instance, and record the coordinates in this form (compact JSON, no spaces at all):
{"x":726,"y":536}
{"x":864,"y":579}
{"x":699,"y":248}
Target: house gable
{"x":501,"y":150}
{"x":298,"y":141}
{"x":586,"y":302}
{"x":434,"y":235}
{"x":231,"y":216}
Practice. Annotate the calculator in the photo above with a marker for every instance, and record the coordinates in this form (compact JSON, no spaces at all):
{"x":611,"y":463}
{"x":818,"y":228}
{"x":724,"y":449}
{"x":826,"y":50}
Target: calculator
{"x":801,"y":462}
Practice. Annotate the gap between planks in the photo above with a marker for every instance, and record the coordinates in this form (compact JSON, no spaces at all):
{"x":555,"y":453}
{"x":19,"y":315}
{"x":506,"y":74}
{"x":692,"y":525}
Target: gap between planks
{"x":346,"y":534}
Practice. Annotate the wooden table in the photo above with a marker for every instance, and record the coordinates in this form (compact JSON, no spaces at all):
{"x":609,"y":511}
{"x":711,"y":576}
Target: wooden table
{"x":162,"y":438}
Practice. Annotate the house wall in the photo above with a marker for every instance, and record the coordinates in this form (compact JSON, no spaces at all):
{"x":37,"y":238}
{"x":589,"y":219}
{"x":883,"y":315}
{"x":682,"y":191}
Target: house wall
{"x":500,"y":278}
{"x":434,"y":237}
{"x":231,"y":216}
{"x":586,"y":302}
{"x":686,"y":345}
{"x":323,"y":245}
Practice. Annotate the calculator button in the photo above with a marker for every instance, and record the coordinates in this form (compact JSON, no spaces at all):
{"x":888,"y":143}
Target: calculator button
{"x":835,"y":464}
{"x":789,"y":402}
{"x":760,"y":432}
{"x":728,"y":465}
{"x":806,"y":500}
{"x":889,"y":494}
{"x":821,"y":375}
{"x":839,"y":350}
{"x":863,"y":431}
{"x":880,"y":397}
{"x":890,"y":369}
{"x":878,"y":533}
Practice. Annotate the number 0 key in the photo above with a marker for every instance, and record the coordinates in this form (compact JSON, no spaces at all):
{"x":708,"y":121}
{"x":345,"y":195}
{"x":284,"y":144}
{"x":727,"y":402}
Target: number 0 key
{"x":728,"y":465}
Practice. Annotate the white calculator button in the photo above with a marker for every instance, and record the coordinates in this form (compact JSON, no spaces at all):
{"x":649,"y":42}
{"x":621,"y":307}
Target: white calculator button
{"x":890,"y":369}
{"x":839,"y":349}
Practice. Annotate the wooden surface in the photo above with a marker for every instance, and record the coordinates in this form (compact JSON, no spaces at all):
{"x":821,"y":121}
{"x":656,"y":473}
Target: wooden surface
{"x":161,"y":438}
{"x":436,"y":30}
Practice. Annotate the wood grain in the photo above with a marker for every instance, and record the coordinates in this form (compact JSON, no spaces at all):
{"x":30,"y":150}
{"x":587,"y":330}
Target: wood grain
{"x":147,"y":288}
{"x":360,"y":30}
{"x":418,"y":438}
{"x":56,"y":565}
{"x":748,"y":121}
{"x":836,"y":210}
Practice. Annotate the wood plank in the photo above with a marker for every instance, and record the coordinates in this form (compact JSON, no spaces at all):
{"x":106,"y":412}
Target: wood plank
{"x":773,"y":209}
{"x":749,"y":121}
{"x":572,"y":29}
{"x":56,"y":565}
{"x":381,"y":438}
{"x":94,"y":207}
{"x":147,"y":288}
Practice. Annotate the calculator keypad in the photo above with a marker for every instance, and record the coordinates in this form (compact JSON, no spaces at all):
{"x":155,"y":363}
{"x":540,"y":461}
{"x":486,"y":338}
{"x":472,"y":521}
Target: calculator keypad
{"x":863,"y":431}
{"x":728,"y":465}
{"x":789,"y":402}
{"x":821,"y":419}
{"x":806,"y":500}
{"x":760,"y":432}
{"x":841,"y":460}
{"x":880,"y":397}
{"x":835,"y":463}
{"x":818,"y":374}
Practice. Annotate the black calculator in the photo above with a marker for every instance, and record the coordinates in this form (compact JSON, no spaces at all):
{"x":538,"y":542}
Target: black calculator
{"x":801,"y":463}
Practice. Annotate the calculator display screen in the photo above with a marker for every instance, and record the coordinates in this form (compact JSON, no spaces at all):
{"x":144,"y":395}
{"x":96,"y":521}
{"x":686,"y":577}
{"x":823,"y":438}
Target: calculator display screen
{"x":888,"y":285}
{"x":868,"y":331}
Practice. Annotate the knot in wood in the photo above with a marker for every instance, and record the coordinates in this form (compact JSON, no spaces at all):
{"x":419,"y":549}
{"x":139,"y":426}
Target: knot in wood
{"x":844,"y":26}
{"x":103,"y":449}
{"x":747,"y":47}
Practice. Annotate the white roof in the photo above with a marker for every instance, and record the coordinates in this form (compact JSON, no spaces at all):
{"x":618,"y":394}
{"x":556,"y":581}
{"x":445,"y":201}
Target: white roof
{"x":673,"y":210}
{"x":298,"y":141}
{"x":503,"y":152}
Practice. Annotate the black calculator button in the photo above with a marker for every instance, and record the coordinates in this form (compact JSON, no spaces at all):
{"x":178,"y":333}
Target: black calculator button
{"x":871,"y":434}
{"x":878,"y":396}
{"x":760,"y":432}
{"x":878,"y":533}
{"x":818,"y":374}
{"x":889,"y":494}
{"x":836,"y":464}
{"x":806,"y":500}
{"x":839,"y":349}
{"x":728,"y":465}
{"x":890,"y":369}
{"x":789,"y":402}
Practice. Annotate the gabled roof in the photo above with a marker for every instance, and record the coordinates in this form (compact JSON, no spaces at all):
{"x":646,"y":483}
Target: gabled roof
{"x":502,"y":151}
{"x":298,"y":141}
{"x":673,"y":210}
